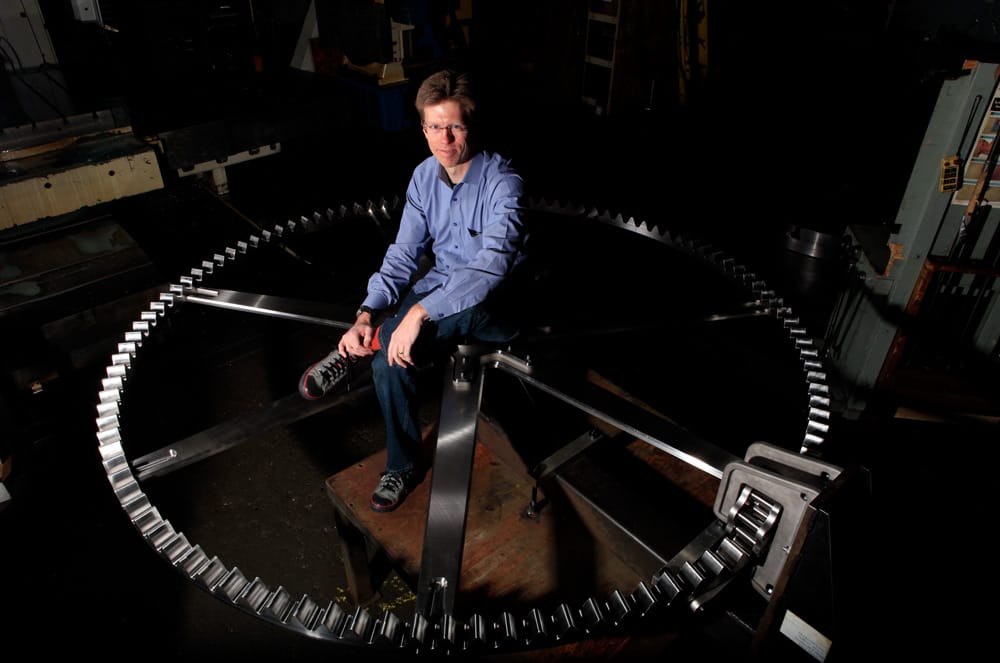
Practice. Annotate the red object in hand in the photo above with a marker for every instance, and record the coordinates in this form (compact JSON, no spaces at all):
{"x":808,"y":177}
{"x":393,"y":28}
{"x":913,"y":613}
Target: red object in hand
{"x":375,"y":344}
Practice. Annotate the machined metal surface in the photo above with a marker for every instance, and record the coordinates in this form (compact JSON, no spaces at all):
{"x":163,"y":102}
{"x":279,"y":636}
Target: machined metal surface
{"x":229,"y":434}
{"x":691,"y":578}
{"x":278,"y":307}
{"x":630,"y":418}
{"x":444,"y":538}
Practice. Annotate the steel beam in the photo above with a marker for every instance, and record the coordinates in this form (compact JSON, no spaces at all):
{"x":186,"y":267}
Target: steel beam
{"x":269,"y":305}
{"x":444,"y":535}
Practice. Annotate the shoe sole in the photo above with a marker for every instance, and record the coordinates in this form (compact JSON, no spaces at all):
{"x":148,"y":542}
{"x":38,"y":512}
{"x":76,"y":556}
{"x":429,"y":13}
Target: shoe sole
{"x":302,"y":385}
{"x":384,"y":509}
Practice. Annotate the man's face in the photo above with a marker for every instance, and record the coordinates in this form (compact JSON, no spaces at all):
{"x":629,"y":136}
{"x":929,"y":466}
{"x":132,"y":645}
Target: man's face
{"x":448,"y":144}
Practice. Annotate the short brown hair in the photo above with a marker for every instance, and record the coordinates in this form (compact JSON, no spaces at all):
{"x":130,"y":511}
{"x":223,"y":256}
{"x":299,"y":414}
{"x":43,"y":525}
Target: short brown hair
{"x":447,"y":85}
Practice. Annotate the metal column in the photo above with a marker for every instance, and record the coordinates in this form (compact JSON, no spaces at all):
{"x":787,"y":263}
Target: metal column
{"x":927,"y":222}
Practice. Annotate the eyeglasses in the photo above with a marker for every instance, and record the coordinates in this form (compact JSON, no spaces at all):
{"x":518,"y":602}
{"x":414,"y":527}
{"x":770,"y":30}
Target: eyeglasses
{"x":455,"y":129}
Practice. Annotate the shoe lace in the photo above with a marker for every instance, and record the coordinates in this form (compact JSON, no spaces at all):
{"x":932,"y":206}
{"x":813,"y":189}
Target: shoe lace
{"x":335,"y":366}
{"x":391,"y":481}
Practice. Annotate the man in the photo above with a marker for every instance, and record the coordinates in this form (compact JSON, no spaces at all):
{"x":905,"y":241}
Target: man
{"x":464,"y":211}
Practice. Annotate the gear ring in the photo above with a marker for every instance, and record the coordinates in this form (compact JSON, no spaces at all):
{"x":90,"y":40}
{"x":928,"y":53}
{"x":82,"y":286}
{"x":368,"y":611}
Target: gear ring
{"x":311,"y":618}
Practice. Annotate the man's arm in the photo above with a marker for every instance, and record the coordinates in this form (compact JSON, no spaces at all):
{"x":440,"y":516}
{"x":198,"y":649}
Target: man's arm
{"x":402,"y":258}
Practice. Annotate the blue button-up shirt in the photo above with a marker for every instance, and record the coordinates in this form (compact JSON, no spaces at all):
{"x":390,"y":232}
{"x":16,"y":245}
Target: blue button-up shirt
{"x":475,"y":231}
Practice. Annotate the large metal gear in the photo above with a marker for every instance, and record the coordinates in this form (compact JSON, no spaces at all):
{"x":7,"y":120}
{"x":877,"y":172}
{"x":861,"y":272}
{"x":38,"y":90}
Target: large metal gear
{"x":766,"y":488}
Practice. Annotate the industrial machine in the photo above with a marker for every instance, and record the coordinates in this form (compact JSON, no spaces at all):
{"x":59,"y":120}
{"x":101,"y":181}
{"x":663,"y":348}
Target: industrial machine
{"x":760,"y":563}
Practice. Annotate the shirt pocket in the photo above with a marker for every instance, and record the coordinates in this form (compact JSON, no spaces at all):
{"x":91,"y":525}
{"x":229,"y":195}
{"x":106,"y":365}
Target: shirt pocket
{"x":472,"y":238}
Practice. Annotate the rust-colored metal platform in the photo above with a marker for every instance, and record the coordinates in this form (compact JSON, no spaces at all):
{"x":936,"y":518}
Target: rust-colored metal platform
{"x":510,"y":559}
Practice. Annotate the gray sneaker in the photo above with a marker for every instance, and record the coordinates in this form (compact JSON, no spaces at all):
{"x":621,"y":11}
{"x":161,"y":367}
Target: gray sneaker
{"x":320,"y":378}
{"x":391,"y":490}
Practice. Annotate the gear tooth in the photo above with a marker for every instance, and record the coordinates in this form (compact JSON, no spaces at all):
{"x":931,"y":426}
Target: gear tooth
{"x":361,"y":627}
{"x":334,"y":620}
{"x":477,"y":632}
{"x":384,"y":208}
{"x":422,"y":630}
{"x":536,"y":628}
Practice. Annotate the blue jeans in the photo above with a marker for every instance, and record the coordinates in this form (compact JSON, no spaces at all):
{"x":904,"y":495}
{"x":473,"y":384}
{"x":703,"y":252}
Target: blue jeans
{"x":396,"y":386}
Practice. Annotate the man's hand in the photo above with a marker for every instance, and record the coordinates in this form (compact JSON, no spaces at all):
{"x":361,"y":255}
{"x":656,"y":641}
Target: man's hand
{"x":405,"y":335}
{"x":357,"y":340}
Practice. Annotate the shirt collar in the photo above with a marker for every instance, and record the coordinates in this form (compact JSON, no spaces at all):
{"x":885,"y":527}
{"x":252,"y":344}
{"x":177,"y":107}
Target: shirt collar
{"x":475,"y":168}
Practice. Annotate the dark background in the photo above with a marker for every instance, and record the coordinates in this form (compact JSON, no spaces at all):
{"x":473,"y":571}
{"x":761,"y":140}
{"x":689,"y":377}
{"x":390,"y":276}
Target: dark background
{"x":806,"y":113}
{"x":803,"y":94}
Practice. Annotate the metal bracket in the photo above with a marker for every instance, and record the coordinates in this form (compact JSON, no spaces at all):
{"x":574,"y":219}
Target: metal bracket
{"x":789,"y":481}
